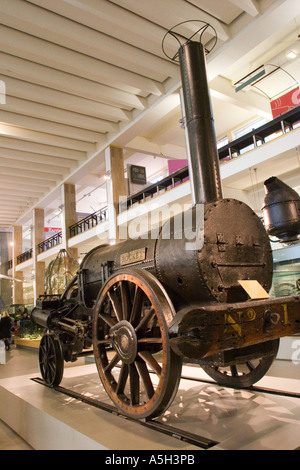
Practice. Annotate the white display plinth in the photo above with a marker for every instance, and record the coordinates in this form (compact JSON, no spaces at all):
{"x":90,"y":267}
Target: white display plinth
{"x":236,"y":419}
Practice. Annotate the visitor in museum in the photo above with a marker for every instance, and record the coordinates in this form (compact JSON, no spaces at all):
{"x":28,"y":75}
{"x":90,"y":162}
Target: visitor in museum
{"x":5,"y":329}
{"x":25,"y":320}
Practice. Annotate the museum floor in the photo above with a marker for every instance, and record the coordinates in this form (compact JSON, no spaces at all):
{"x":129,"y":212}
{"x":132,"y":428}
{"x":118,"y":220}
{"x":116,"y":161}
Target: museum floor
{"x":20,"y":362}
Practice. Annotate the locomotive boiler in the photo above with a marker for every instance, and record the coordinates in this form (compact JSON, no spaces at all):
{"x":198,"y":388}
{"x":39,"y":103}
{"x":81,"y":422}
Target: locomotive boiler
{"x":145,"y":305}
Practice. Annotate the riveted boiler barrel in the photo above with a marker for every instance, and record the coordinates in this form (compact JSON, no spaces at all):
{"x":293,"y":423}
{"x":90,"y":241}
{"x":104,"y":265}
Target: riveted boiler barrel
{"x":198,"y":256}
{"x":232,"y":245}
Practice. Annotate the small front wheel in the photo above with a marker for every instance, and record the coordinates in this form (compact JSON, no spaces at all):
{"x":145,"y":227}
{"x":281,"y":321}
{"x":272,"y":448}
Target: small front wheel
{"x":51,"y":359}
{"x":245,"y":373}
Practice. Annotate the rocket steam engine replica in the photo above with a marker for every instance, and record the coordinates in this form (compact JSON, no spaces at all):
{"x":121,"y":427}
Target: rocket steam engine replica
{"x":145,"y":305}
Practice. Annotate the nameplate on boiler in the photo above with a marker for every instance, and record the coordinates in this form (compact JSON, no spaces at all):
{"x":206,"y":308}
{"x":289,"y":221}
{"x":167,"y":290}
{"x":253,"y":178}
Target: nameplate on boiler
{"x":133,"y":256}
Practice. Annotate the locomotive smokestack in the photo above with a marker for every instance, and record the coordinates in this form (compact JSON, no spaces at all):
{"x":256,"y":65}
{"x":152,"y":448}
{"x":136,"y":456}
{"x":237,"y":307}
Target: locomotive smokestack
{"x":204,"y":158}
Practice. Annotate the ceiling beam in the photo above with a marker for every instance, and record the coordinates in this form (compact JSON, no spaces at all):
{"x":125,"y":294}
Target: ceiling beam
{"x":30,"y":193}
{"x":45,"y":76}
{"x":60,"y":116}
{"x":51,"y":178}
{"x":222,"y":89}
{"x":249,"y":6}
{"x":47,"y":53}
{"x":40,"y":166}
{"x":27,"y":160}
{"x":75,"y":36}
{"x":16,"y":198}
{"x":105,"y":16}
{"x":160,"y":12}
{"x":169,"y":151}
{"x":46,"y":132}
{"x":57,"y":99}
{"x":26,"y":183}
{"x":70,"y":156}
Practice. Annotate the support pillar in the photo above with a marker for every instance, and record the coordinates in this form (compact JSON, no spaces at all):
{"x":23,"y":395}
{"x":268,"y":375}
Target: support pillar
{"x":68,"y":218}
{"x":116,"y":189}
{"x":38,"y":236}
{"x":6,"y":288}
{"x":16,"y":251}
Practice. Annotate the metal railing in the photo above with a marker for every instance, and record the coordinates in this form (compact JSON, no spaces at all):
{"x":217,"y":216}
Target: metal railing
{"x":156,"y":188}
{"x":88,"y":222}
{"x":285,"y":122}
{"x":50,"y":243}
{"x":24,"y":256}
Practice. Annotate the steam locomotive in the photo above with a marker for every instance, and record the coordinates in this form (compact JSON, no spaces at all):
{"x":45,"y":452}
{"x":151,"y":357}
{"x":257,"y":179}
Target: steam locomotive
{"x":146,"y":305}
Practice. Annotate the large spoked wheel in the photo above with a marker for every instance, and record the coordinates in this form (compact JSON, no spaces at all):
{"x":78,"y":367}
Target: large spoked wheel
{"x":243,"y":374}
{"x":51,"y":359}
{"x":135,"y":362}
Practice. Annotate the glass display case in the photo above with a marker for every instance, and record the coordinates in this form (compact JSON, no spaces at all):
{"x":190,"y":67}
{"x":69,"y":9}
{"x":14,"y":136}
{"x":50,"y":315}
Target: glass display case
{"x":286,"y":274}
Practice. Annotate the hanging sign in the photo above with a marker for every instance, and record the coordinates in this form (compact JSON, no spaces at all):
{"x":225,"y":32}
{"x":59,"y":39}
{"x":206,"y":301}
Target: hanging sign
{"x":137,"y":174}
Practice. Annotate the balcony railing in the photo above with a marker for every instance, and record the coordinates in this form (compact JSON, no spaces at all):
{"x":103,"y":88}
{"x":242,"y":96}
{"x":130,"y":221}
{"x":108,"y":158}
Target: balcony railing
{"x":156,"y":188}
{"x":285,"y":122}
{"x":24,"y":256}
{"x":50,"y":243}
{"x":88,"y":222}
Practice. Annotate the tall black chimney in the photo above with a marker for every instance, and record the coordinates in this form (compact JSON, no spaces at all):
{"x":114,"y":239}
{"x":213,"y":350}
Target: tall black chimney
{"x":204,"y":158}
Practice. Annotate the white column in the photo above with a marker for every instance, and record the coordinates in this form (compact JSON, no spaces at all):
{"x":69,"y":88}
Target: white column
{"x":17,"y":250}
{"x":115,"y":188}
{"x":68,"y":217}
{"x":38,"y":236}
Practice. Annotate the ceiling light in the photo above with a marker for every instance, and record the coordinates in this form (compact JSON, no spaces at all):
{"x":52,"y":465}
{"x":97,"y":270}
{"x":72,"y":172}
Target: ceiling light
{"x":291,"y":55}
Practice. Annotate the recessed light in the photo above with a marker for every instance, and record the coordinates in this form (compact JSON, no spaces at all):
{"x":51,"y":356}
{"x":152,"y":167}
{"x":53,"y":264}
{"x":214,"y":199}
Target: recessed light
{"x":291,"y":55}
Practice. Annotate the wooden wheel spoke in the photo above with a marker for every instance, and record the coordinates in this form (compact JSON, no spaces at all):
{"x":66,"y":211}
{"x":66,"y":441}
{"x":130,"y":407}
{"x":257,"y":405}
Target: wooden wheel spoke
{"x":122,"y":379}
{"x":108,"y":320}
{"x":134,"y":381}
{"x":145,"y":376}
{"x":105,"y":342}
{"x":151,"y":361}
{"x":146,"y":319}
{"x":51,"y":367}
{"x":112,"y":363}
{"x":116,"y":305}
{"x":150,"y":340}
{"x":126,"y":300}
{"x":250,"y":365}
{"x":136,"y":306}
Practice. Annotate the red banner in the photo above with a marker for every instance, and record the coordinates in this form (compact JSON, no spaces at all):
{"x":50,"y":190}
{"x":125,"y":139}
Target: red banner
{"x":285,"y":103}
{"x":52,"y":229}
